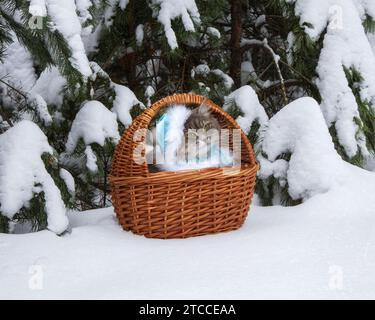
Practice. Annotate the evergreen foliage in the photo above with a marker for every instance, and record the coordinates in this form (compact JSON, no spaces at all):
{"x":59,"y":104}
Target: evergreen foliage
{"x":280,"y":69}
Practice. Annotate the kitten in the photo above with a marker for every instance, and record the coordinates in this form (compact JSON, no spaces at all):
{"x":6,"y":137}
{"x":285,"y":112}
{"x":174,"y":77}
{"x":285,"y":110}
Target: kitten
{"x":198,"y":135}
{"x":200,"y":120}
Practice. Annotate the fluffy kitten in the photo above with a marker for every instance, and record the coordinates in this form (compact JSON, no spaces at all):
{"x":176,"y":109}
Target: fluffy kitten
{"x":200,"y":119}
{"x":196,"y":141}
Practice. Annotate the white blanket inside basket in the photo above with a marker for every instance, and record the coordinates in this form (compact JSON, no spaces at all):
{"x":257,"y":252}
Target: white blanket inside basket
{"x":169,"y":137}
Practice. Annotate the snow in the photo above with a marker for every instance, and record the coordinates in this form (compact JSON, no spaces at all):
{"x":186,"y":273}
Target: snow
{"x":38,"y":8}
{"x":275,"y":57}
{"x":278,"y":169}
{"x":74,"y":14}
{"x":366,"y":6}
{"x":68,"y":180}
{"x":65,"y":19}
{"x":124,"y":101}
{"x":247,"y":101}
{"x":91,"y":159}
{"x":18,"y":71}
{"x":109,"y":12}
{"x":94,"y":123}
{"x":321,"y":249}
{"x":291,"y":41}
{"x":139,"y":34}
{"x":227,"y":80}
{"x":83,"y":7}
{"x":300,"y":129}
{"x":260,"y":20}
{"x":50,"y":86}
{"x":97,"y":71}
{"x":123,"y":4}
{"x":202,"y":69}
{"x":22,"y":173}
{"x":40,"y":106}
{"x":171,"y":9}
{"x":149,"y":93}
{"x":345,"y":44}
{"x":214,"y":32}
{"x":247,"y":70}
{"x":17,"y":68}
{"x":371,"y":38}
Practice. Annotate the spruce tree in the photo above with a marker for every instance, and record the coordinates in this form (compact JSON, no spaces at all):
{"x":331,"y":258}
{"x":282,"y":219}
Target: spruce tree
{"x":58,"y":56}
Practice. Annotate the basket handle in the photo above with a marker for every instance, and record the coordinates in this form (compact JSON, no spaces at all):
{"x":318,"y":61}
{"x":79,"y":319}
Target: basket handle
{"x":123,"y":163}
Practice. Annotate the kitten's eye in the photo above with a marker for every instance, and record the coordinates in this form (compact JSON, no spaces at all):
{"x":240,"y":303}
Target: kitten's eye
{"x":192,"y":134}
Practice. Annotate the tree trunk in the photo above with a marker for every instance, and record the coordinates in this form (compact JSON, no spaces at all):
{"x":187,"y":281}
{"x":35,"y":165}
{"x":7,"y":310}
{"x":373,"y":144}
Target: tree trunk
{"x":125,"y":65}
{"x":235,"y":42}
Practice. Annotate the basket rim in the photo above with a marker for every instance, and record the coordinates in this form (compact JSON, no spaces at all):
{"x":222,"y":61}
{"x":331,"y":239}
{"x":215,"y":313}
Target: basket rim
{"x":168,"y":177}
{"x":127,"y":143}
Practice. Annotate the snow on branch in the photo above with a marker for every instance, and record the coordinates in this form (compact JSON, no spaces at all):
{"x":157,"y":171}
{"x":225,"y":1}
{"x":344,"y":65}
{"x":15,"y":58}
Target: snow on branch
{"x":65,"y":19}
{"x":247,"y":101}
{"x":123,"y":4}
{"x":276,"y":58}
{"x":300,"y":130}
{"x":172,"y":9}
{"x":50,"y":85}
{"x":204,"y":70}
{"x":227,"y":80}
{"x":40,"y":107}
{"x":124,"y":100}
{"x":68,"y":180}
{"x":83,"y":9}
{"x":38,"y":8}
{"x":22,"y":174}
{"x":17,"y":67}
{"x":94,"y":123}
{"x":345,"y":45}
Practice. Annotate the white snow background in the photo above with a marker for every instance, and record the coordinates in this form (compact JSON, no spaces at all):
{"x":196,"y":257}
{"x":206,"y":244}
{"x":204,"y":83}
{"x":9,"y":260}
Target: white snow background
{"x":322,"y":249}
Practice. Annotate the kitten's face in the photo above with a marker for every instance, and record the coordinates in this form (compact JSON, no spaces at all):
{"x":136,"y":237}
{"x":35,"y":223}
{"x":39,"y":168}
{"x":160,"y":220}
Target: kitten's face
{"x":201,"y":118}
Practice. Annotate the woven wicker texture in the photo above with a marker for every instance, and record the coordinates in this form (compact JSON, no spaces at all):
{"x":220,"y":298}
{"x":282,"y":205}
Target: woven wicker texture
{"x":184,"y":203}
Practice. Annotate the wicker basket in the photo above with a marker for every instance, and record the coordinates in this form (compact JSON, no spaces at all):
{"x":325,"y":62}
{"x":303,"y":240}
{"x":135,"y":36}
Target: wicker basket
{"x":184,"y":203}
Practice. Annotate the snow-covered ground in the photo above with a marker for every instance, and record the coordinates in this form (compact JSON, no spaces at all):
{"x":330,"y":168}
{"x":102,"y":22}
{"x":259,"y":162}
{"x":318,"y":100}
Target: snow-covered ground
{"x":324,"y":248}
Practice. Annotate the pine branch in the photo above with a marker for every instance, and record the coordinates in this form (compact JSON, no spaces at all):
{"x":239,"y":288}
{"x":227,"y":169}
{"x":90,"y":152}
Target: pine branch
{"x":247,"y":44}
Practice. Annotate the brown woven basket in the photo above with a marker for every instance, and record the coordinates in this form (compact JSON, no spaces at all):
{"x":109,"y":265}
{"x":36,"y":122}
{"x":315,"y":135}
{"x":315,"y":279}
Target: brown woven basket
{"x":184,"y":203}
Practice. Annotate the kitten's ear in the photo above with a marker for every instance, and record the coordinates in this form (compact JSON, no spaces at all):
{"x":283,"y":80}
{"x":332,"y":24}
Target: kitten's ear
{"x":204,"y":109}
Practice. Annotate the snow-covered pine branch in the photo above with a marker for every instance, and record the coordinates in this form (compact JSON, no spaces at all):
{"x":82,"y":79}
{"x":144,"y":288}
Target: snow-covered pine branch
{"x":204,"y":70}
{"x":64,"y":18}
{"x":124,"y":100}
{"x":94,"y":123}
{"x":299,"y":130}
{"x":246,"y":100}
{"x":275,"y":57}
{"x":23,"y":175}
{"x":171,"y":9}
{"x":345,"y":45}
